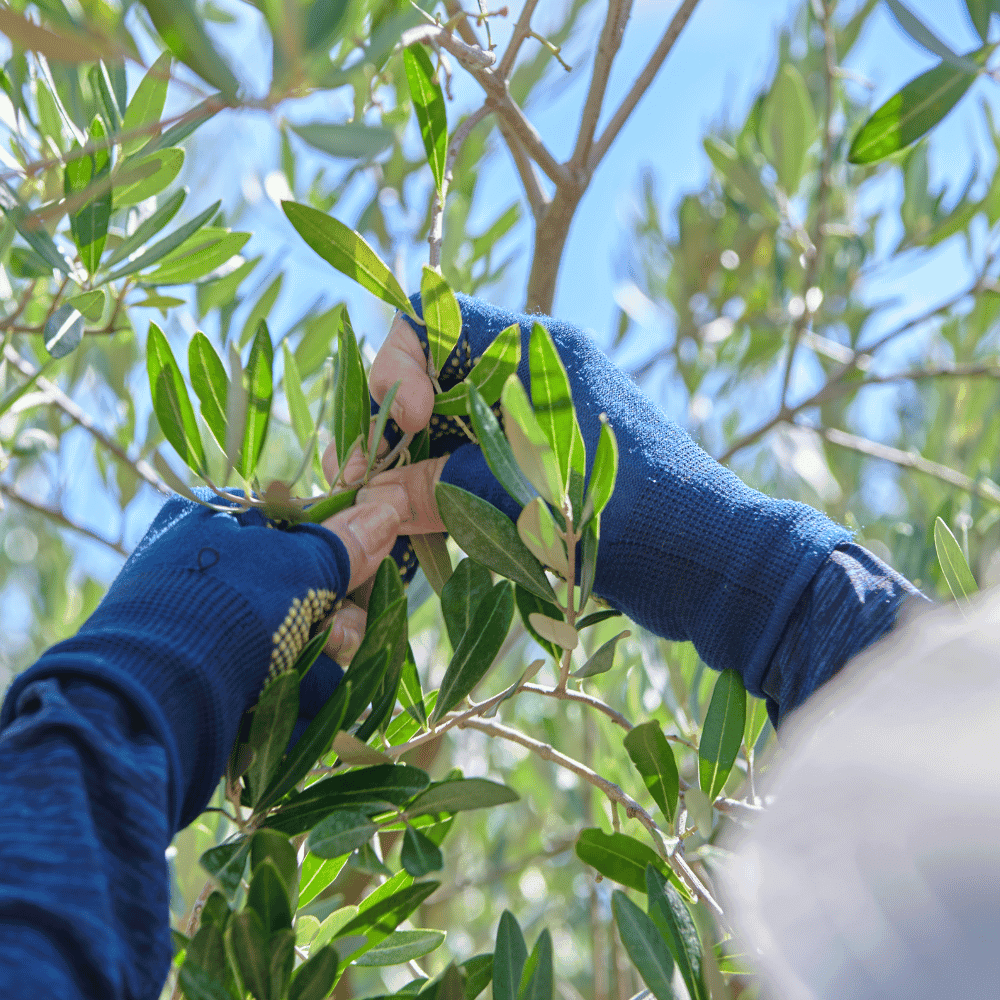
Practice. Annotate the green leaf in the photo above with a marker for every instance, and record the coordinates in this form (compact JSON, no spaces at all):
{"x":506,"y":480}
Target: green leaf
{"x":199,"y":256}
{"x":247,"y":942}
{"x":419,"y":856}
{"x":442,"y":316}
{"x":269,"y":845}
{"x":529,"y":444}
{"x":559,"y":632}
{"x":383,"y":641}
{"x":282,"y":945}
{"x":432,"y":553}
{"x":63,"y":331}
{"x":644,"y":945}
{"x":605,"y":470}
{"x":183,"y":31}
{"x":261,"y":309}
{"x":496,"y":450}
{"x":260,"y":389}
{"x":923,"y":35}
{"x":490,"y":537}
{"x":617,"y":856}
{"x":333,"y":925}
{"x":460,"y":597}
{"x":375,"y":787}
{"x":954,"y":567}
{"x":553,"y":404}
{"x":351,"y":407}
{"x":402,"y":946}
{"x":461,"y":795}
{"x":345,"y":250}
{"x":307,"y":750}
{"x":273,"y":721}
{"x":317,"y":874}
{"x":537,"y":529}
{"x":341,"y":833}
{"x":352,"y":140}
{"x":589,"y":546}
{"x":596,"y":617}
{"x":603,"y":658}
{"x":208,"y":379}
{"x":298,"y":407}
{"x":654,"y":760}
{"x":90,"y":304}
{"x":509,"y":957}
{"x":722,"y":733}
{"x":200,"y":985}
{"x":428,"y":104}
{"x":499,"y":361}
{"x":979,"y":14}
{"x":207,"y":951}
{"x":170,"y":400}
{"x":478,"y":972}
{"x":742,"y":177}
{"x":148,"y":228}
{"x":410,"y":694}
{"x":167,"y":245}
{"x":529,"y":604}
{"x":756,"y":720}
{"x":788,"y":127}
{"x":315,"y":978}
{"x":478,"y":648}
{"x":537,"y":976}
{"x":146,"y":106}
{"x":268,"y":898}
{"x":910,"y":113}
{"x":226,"y":862}
{"x":377,"y":921}
{"x":147,"y":176}
{"x":89,"y":223}
{"x":671,"y":916}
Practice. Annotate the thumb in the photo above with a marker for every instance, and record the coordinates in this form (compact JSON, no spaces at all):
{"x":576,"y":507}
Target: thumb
{"x":410,"y":491}
{"x":368,"y":531}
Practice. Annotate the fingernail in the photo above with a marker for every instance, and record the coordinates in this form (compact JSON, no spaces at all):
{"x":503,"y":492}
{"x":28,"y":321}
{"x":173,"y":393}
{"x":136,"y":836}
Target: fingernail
{"x":374,"y":525}
{"x":397,"y":411}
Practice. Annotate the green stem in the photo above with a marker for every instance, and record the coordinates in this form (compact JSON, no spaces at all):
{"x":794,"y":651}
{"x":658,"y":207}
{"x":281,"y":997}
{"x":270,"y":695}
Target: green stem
{"x":328,"y":506}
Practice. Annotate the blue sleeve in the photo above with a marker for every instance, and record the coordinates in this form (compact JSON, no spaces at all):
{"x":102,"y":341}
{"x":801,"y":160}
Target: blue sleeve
{"x":851,"y":602}
{"x":83,"y":829}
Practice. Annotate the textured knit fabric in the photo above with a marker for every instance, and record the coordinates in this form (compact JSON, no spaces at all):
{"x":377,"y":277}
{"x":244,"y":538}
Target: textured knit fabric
{"x":687,"y":549}
{"x":204,"y":607}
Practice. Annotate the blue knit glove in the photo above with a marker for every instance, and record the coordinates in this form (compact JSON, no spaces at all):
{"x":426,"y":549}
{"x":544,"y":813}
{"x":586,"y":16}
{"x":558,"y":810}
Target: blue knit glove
{"x":203,"y":609}
{"x":687,"y":550}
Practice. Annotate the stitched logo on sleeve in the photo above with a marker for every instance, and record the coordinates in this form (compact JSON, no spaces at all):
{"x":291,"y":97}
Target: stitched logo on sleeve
{"x":293,"y":632}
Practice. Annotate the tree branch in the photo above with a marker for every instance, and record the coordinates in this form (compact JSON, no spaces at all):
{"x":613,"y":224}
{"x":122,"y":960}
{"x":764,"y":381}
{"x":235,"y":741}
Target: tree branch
{"x":641,"y":85}
{"x":538,"y":201}
{"x":473,"y":56}
{"x":79,"y":416}
{"x":984,"y":488}
{"x":522,"y":30}
{"x":57,"y":516}
{"x":607,"y":48}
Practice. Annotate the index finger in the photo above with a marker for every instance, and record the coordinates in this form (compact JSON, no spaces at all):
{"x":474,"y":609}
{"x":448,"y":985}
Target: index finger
{"x":401,"y":359}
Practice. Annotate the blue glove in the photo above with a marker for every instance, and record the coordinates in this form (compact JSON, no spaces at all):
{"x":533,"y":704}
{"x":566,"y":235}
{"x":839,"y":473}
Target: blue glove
{"x":206,"y":606}
{"x":687,"y":549}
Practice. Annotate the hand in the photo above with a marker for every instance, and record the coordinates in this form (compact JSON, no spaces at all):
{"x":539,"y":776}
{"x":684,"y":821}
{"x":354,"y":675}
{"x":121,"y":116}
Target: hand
{"x":204,"y":609}
{"x":686,"y":549}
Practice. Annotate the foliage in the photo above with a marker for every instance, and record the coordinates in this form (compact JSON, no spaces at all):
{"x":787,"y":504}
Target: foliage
{"x":763,"y":272}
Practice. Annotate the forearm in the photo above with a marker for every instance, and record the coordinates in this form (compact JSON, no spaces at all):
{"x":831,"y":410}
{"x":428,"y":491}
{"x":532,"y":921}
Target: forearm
{"x":84,"y":823}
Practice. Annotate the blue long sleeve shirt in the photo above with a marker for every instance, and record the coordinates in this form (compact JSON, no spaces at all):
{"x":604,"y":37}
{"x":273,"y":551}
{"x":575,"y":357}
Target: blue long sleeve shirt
{"x":86,"y":814}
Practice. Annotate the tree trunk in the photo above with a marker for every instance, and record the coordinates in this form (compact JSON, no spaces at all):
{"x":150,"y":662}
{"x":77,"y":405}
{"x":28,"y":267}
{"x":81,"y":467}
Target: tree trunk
{"x":550,"y":242}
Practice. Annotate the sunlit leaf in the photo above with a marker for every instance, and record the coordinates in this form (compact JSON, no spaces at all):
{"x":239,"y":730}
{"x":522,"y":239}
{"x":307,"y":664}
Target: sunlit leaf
{"x":148,"y":228}
{"x":89,"y":223}
{"x":146,"y":107}
{"x":954,"y":566}
{"x":170,"y":400}
{"x":351,"y":140}
{"x":260,"y":389}
{"x":557,"y":632}
{"x":202,"y":255}
{"x":428,"y":104}
{"x":441,"y":314}
{"x":538,"y":531}
{"x":350,"y":395}
{"x":654,"y":760}
{"x":496,"y":450}
{"x":722,"y":733}
{"x":63,"y":331}
{"x":672,"y":918}
{"x":605,"y":470}
{"x":345,"y":250}
{"x":208,"y":379}
{"x":910,"y":113}
{"x":378,"y":920}
{"x":528,"y":442}
{"x":499,"y":361}
{"x":152,"y":174}
{"x":923,"y":35}
{"x":317,"y":874}
{"x":788,"y":127}
{"x":603,"y":658}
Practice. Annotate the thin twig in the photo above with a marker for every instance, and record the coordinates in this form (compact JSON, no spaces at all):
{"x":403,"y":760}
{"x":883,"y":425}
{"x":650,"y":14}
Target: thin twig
{"x":984,"y":488}
{"x":538,"y":200}
{"x":608,"y":45}
{"x":568,"y":694}
{"x":522,"y":30}
{"x":473,"y":56}
{"x":79,"y":416}
{"x":641,"y":85}
{"x":57,"y":516}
